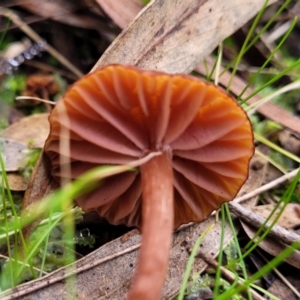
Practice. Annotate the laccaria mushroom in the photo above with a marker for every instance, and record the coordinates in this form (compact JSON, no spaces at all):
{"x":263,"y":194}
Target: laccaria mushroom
{"x":120,"y":113}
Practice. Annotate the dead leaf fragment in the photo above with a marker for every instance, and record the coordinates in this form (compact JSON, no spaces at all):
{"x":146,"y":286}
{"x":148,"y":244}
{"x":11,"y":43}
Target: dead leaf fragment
{"x":282,"y":291}
{"x":33,"y":129}
{"x":15,"y":182}
{"x":289,"y":141}
{"x":289,"y":219}
{"x":273,"y":247}
{"x":13,"y":154}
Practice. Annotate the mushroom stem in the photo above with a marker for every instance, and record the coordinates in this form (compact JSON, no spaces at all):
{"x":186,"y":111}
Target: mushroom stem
{"x":157,"y":227}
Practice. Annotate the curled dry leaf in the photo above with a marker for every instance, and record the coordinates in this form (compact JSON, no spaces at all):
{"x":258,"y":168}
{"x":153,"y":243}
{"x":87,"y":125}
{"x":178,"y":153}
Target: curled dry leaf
{"x":31,"y":130}
{"x":121,"y":12}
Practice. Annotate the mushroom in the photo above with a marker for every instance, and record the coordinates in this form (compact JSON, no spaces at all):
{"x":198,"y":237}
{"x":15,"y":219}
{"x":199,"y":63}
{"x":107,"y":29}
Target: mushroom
{"x":121,"y":113}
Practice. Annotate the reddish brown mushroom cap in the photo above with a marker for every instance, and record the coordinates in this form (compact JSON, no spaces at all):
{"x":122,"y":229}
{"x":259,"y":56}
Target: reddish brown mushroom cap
{"x":120,"y":113}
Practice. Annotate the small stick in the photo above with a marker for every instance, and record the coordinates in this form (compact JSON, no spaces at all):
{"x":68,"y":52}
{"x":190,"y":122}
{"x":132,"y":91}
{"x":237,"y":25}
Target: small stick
{"x":35,"y":98}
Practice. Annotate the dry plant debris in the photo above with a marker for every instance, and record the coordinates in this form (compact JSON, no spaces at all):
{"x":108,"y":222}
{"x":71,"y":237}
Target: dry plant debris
{"x":289,"y":219}
{"x":32,"y":130}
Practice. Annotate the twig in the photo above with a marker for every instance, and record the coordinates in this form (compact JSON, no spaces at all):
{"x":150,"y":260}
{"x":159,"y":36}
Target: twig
{"x":255,"y":220}
{"x":33,"y":35}
{"x":35,"y":98}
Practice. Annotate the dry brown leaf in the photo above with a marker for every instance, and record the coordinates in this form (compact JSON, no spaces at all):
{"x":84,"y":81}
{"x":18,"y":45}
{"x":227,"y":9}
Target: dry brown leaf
{"x":121,"y":11}
{"x":279,"y":289}
{"x":273,"y":247}
{"x":289,"y":219}
{"x":13,"y":154}
{"x":33,"y":129}
{"x":15,"y":182}
{"x":174,"y":35}
{"x":275,"y":284}
{"x":289,"y":141}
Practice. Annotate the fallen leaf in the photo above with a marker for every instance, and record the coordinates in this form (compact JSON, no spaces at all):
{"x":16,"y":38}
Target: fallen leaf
{"x":273,"y":247}
{"x":175,"y":35}
{"x":289,"y":141}
{"x":31,"y":130}
{"x":282,"y":290}
{"x":15,"y":182}
{"x":12,"y":154}
{"x":275,"y":284}
{"x":289,"y":219}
